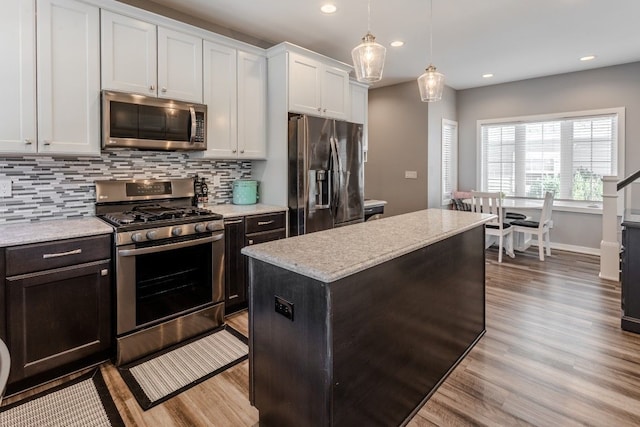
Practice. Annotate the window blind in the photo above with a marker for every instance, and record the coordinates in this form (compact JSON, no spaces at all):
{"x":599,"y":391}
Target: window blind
{"x":567,"y":156}
{"x":449,"y":170}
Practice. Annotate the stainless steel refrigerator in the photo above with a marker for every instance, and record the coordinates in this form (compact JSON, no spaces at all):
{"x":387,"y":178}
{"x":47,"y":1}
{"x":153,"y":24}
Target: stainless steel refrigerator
{"x":326,"y":174}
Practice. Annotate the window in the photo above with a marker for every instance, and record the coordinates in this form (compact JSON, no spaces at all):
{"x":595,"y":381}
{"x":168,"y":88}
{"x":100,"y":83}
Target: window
{"x":449,"y":159}
{"x":567,"y":155}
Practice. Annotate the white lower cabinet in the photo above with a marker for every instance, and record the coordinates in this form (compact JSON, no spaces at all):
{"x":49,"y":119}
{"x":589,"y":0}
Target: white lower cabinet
{"x":235,"y":93}
{"x":67,"y":78}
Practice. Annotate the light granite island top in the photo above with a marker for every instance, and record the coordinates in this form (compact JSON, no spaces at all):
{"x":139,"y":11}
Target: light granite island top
{"x":23,"y":233}
{"x":333,"y":254}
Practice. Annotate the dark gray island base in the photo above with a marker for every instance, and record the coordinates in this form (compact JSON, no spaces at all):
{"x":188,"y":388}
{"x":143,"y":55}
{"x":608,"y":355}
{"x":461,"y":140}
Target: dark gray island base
{"x":368,"y":348}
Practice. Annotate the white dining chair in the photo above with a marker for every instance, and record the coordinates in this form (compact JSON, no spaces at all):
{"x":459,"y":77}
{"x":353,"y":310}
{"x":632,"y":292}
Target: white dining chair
{"x":540,"y":228}
{"x":491,"y":203}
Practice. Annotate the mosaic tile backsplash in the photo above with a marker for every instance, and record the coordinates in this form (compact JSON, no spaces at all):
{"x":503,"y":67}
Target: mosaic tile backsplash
{"x":54,"y":187}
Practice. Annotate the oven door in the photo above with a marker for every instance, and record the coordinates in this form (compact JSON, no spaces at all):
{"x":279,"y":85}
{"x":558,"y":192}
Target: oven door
{"x":161,"y":280}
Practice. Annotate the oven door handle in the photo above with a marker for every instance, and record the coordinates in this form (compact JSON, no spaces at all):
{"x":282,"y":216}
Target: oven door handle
{"x":170,"y":246}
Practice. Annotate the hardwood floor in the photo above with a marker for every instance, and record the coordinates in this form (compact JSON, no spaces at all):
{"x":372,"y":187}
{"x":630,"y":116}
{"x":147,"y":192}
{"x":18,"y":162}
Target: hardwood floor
{"x":553,"y":354}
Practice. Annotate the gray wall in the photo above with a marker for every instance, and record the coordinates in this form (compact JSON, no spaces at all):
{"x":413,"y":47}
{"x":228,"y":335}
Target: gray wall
{"x":398,"y":126}
{"x":609,"y":87}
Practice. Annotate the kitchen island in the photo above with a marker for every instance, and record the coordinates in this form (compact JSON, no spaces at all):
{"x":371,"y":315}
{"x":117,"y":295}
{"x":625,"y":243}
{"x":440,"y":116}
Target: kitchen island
{"x":359,"y":325}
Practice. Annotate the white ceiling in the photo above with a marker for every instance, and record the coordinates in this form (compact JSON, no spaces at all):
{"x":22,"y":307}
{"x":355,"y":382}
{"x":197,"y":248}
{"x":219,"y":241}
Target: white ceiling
{"x":513,"y":39}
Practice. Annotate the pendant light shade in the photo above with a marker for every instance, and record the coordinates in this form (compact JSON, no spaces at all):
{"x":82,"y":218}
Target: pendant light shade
{"x":431,"y":83}
{"x":368,"y":56}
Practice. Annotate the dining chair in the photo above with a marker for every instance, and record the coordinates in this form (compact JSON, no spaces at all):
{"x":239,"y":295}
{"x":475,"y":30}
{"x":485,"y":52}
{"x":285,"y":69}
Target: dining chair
{"x":5,"y":366}
{"x":540,"y":227}
{"x":491,"y":203}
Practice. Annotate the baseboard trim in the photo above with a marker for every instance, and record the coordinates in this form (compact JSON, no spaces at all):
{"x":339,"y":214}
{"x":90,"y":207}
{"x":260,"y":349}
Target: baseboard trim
{"x":572,"y":248}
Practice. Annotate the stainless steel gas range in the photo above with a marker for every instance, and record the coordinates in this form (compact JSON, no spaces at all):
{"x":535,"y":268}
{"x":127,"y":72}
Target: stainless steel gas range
{"x":169,"y":258}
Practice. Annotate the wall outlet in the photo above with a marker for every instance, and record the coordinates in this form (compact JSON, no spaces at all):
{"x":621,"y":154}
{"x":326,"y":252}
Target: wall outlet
{"x":216,"y":180}
{"x":5,"y":188}
{"x":411,"y":174}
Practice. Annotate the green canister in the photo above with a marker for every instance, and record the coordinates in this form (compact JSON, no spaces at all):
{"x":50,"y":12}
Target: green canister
{"x":245,"y":192}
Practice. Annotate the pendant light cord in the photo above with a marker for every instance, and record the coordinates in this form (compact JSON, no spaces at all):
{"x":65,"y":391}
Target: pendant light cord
{"x":369,"y":16}
{"x":431,"y":31}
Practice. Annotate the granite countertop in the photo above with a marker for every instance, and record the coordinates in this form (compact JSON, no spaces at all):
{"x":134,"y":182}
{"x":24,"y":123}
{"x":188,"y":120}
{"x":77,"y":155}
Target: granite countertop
{"x":333,"y":254}
{"x":231,"y":211}
{"x":45,"y":231}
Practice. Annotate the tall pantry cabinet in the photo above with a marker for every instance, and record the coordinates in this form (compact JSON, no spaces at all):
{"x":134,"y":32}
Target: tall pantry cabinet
{"x":50,"y":82}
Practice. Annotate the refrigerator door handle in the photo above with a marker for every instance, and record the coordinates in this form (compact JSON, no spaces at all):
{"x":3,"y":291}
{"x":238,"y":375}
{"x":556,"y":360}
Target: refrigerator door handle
{"x":336,"y":172}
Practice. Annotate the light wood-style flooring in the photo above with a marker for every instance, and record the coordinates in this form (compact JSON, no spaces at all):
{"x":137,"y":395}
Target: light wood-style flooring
{"x":553,"y":355}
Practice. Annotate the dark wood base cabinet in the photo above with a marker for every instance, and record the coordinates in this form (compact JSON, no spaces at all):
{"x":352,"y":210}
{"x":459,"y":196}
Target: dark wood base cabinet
{"x":241,"y":232}
{"x":370,"y":348}
{"x":630,"y":276}
{"x":58,"y":304}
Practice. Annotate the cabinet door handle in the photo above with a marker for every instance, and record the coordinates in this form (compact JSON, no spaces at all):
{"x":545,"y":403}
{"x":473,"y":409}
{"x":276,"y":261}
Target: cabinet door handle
{"x":319,"y":109}
{"x":28,"y":141}
{"x":241,"y":151}
{"x":152,"y":88}
{"x":234,"y":151}
{"x":164,"y":90}
{"x":324,"y":111}
{"x":251,"y":241}
{"x":59,"y":254}
{"x":46,"y":142}
{"x":104,"y":272}
{"x":266,"y":222}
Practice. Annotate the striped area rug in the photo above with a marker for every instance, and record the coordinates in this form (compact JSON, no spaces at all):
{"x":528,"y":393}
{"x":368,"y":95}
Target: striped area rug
{"x":83,"y":402}
{"x":159,"y":377}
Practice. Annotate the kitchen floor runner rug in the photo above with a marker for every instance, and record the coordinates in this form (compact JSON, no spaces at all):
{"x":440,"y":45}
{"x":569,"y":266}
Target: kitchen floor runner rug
{"x":83,"y":402}
{"x":161,"y":376}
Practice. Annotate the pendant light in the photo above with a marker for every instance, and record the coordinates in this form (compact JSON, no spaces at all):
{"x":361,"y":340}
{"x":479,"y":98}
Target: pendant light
{"x":368,"y":56}
{"x":431,"y":83}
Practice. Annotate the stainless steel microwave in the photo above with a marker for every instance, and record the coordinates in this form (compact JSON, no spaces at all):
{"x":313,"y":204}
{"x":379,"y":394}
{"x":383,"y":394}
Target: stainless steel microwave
{"x":143,"y":122}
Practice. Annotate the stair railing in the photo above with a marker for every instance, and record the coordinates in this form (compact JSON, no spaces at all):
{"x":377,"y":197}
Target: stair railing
{"x":610,"y":245}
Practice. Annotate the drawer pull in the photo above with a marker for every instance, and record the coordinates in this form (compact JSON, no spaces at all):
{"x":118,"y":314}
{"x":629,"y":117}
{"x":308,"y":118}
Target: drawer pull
{"x":266,"y":222}
{"x":59,"y":254}
{"x":104,"y":272}
{"x":251,"y":241}
{"x":237,"y":221}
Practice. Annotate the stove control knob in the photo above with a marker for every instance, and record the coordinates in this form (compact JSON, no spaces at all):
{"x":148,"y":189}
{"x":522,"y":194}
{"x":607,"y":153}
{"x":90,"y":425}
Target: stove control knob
{"x":212,"y":226}
{"x":152,"y":235}
{"x":200,"y":228}
{"x":176,"y":231}
{"x":137,"y":237}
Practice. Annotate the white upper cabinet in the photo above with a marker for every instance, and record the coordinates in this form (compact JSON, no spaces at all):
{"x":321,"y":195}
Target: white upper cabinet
{"x":235,"y":91}
{"x":317,"y":88}
{"x":179,"y":65}
{"x":252,"y":106}
{"x":143,"y":58}
{"x":129,"y":60}
{"x":359,"y":110}
{"x":68,"y":74}
{"x":220,"y":96}
{"x":66,"y":51}
{"x":18,"y":77}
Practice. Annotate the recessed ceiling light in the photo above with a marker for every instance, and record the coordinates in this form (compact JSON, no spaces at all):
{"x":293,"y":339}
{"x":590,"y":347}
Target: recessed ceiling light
{"x":397,"y":43}
{"x":487,"y":75}
{"x":328,"y":8}
{"x":588,"y":58}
